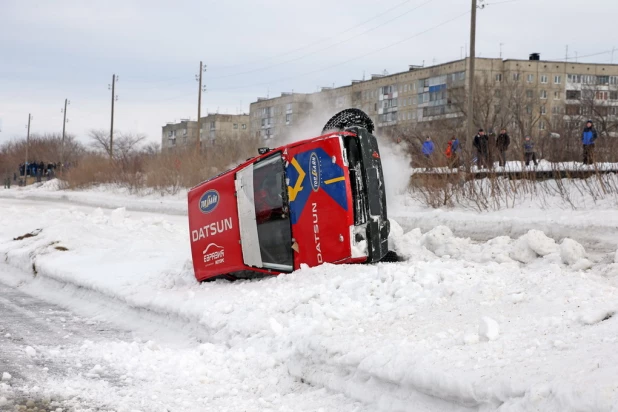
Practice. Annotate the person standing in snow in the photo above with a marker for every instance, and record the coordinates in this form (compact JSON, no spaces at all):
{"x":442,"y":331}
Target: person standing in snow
{"x":529,"y":153}
{"x":589,"y":135}
{"x":452,"y":152}
{"x":427,"y":150}
{"x":502,"y":143}
{"x":481,"y":143}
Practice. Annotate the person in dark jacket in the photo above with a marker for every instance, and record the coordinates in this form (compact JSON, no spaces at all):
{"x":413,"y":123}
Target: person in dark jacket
{"x":502,"y":143}
{"x":529,"y":153}
{"x":589,"y":135}
{"x":481,"y":143}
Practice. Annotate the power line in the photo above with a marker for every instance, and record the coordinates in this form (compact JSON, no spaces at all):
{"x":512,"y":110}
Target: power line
{"x":319,"y":41}
{"x":323,"y":49}
{"x":349,"y":60}
{"x":584,"y":56}
{"x":327,"y":67}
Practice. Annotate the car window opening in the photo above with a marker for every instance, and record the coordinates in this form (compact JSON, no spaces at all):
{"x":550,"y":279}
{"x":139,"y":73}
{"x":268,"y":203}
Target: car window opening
{"x":272,"y":214}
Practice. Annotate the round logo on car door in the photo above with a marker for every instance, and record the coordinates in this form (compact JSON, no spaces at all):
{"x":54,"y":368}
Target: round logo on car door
{"x":314,"y":171}
{"x":209,"y":201}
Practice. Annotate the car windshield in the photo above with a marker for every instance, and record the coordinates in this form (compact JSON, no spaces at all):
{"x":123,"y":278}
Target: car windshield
{"x":272,"y":214}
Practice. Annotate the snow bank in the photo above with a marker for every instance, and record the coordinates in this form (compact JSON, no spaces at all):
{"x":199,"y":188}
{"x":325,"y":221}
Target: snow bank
{"x":571,"y":251}
{"x":105,"y":195}
{"x":460,"y":325}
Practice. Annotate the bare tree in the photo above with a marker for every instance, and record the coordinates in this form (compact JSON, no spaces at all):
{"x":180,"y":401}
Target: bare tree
{"x":125,"y":144}
{"x":100,"y":140}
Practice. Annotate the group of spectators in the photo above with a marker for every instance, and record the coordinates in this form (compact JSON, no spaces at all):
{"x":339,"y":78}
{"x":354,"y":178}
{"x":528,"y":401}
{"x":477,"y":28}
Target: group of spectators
{"x":482,"y":142}
{"x":39,"y":170}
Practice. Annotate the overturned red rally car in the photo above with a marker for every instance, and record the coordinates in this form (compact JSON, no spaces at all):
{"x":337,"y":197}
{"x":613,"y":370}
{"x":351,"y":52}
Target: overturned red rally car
{"x":313,"y":201}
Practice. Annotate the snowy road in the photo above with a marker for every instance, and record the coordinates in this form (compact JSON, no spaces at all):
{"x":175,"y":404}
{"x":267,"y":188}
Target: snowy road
{"x":28,"y":323}
{"x":59,"y":359}
{"x":499,"y":324}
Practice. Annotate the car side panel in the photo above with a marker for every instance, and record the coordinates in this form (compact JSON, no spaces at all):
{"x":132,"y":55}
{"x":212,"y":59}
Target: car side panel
{"x":320,"y":202}
{"x":214,"y":229}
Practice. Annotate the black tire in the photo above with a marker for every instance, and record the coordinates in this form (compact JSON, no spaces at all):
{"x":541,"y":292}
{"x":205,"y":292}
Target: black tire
{"x":348,"y":118}
{"x":391,"y":257}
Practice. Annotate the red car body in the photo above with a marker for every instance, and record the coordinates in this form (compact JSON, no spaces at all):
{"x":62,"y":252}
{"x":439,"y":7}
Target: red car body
{"x":308,"y":203}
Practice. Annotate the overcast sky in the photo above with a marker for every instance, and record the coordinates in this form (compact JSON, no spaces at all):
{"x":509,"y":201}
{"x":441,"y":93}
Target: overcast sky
{"x":52,"y":50}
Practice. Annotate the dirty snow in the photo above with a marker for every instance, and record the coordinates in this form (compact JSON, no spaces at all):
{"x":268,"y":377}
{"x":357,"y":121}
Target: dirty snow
{"x":509,"y":323}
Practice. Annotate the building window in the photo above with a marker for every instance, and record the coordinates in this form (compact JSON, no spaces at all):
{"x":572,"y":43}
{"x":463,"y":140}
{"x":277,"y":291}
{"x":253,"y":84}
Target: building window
{"x":542,"y":125}
{"x":602,"y":95}
{"x":613,"y":80}
{"x":613,"y":95}
{"x":498,"y":93}
{"x":235,"y":125}
{"x":212,"y":125}
{"x":543,"y":110}
{"x":587,"y":94}
{"x":574,"y":78}
{"x":499,"y":77}
{"x":557,"y":95}
{"x":529,"y":94}
{"x":288,"y":118}
{"x":530,"y":78}
{"x":557,"y":79}
{"x":544,"y":79}
{"x":405,"y":87}
{"x":516,"y":77}
{"x":543,"y":94}
{"x":529,"y":109}
{"x":244,"y":126}
{"x":588,"y":79}
{"x":573,"y":94}
{"x":602,"y":79}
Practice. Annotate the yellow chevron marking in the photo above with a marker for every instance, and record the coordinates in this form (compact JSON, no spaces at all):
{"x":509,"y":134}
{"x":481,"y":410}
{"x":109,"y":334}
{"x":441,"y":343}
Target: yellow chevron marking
{"x":294,"y":191}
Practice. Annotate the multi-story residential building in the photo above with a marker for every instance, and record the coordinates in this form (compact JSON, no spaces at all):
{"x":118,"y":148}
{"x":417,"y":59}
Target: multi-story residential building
{"x":215,"y":128}
{"x":531,"y":96}
{"x":221,"y":127}
{"x":273,"y":117}
{"x":179,"y":135}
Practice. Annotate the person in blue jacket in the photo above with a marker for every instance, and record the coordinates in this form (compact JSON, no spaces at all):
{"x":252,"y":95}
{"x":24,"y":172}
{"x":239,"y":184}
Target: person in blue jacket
{"x":589,"y":135}
{"x":428,"y":149}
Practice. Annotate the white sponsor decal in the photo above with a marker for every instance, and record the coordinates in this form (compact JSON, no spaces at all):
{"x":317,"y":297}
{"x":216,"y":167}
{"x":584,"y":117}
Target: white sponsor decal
{"x":213,"y":254}
{"x":316,"y":231}
{"x":211,"y":229}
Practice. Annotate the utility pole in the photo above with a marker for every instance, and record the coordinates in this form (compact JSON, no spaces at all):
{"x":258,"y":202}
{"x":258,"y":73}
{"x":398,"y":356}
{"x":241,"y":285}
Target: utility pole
{"x":613,"y":50}
{"x":471,"y":72}
{"x":111,"y":129}
{"x":199,"y":107}
{"x":27,"y":144}
{"x":64,"y":123}
{"x":566,"y":55}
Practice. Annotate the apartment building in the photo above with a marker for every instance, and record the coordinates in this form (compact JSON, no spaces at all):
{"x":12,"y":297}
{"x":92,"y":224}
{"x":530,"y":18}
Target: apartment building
{"x":215,"y":128}
{"x":221,"y":127}
{"x":275,"y":117}
{"x":182,"y":134}
{"x":533,"y":95}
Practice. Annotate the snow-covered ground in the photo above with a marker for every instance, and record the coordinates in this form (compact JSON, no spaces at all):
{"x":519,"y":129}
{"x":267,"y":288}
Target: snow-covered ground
{"x":518,"y":166}
{"x":521,"y":323}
